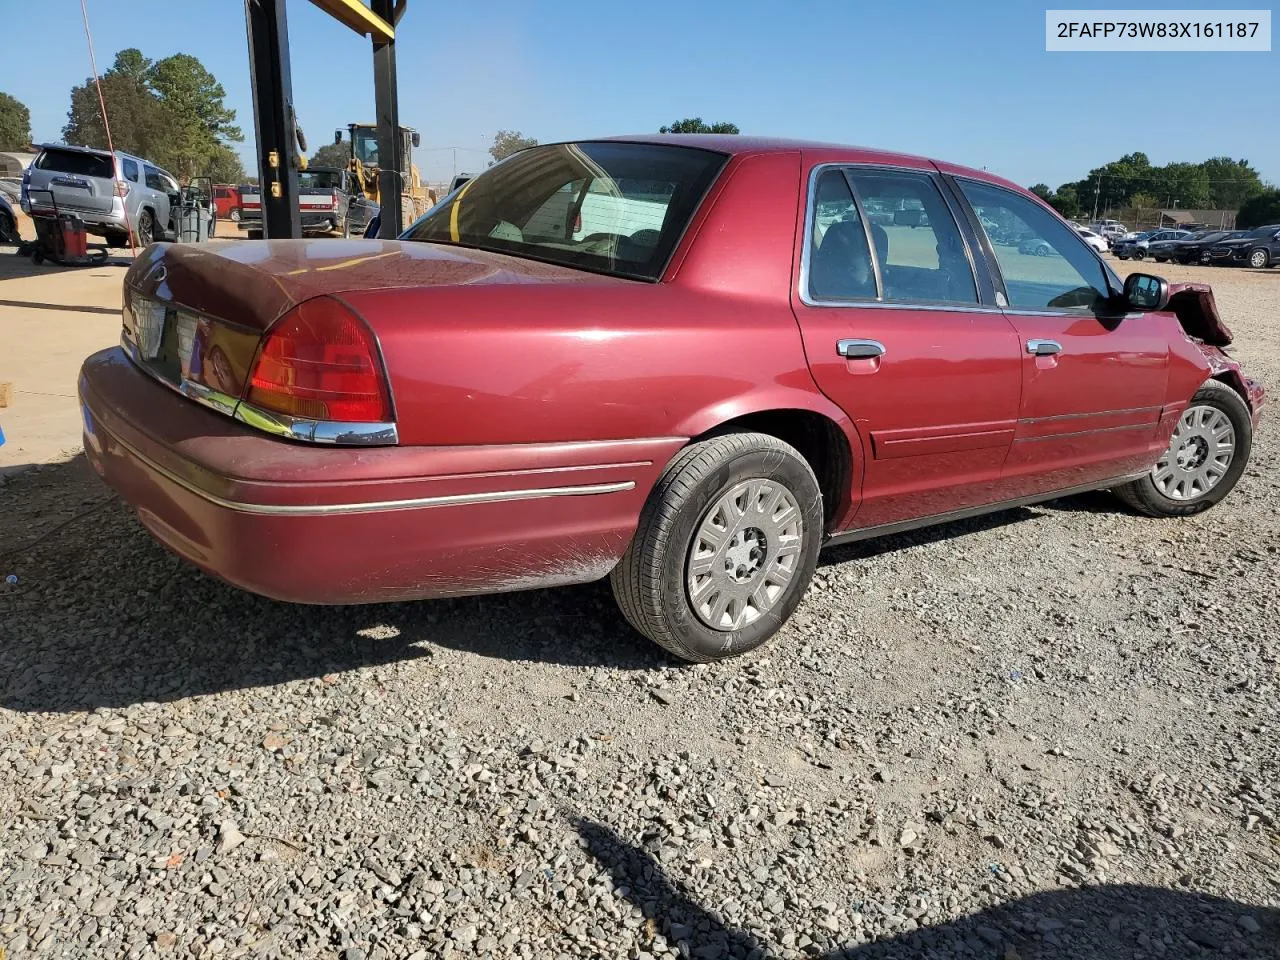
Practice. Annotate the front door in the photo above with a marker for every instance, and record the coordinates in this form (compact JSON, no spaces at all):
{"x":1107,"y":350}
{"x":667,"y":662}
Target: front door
{"x":896,"y":334}
{"x":1093,"y":378}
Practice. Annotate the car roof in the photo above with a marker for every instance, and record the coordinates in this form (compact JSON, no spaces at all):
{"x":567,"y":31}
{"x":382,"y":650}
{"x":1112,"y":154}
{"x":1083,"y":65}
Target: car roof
{"x":739,"y":145}
{"x":96,"y":151}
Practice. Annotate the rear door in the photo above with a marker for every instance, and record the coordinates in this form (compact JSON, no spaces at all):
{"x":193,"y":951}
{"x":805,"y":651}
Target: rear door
{"x":902,"y":332}
{"x":80,"y":181}
{"x":1093,"y":381}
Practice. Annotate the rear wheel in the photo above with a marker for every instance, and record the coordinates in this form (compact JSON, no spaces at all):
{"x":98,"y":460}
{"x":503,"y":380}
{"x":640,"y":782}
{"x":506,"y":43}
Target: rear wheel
{"x":1206,"y":455}
{"x":726,"y":546}
{"x":145,"y":229}
{"x":1259,"y":258}
{"x":235,"y":215}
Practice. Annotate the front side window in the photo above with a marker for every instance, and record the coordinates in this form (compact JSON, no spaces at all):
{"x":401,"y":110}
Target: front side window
{"x":615,"y":208}
{"x":1045,"y":266}
{"x":922,"y":256}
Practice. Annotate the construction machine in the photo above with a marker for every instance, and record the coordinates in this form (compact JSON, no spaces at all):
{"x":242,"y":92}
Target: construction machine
{"x":415,"y":197}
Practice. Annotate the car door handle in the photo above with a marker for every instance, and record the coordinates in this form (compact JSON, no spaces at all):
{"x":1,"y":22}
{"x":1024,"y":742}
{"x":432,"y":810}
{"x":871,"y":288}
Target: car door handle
{"x":859,"y":349}
{"x":1043,"y":348}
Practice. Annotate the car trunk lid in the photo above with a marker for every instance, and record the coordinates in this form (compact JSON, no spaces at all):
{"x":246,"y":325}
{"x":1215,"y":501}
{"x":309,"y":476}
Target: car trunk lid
{"x":194,"y":315}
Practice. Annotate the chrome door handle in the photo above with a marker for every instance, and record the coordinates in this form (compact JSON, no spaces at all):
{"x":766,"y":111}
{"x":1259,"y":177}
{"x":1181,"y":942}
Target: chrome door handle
{"x":859,"y":349}
{"x":1043,"y":348}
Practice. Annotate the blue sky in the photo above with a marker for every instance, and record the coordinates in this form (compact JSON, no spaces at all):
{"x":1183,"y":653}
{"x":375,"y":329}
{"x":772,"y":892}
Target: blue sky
{"x":964,"y":82}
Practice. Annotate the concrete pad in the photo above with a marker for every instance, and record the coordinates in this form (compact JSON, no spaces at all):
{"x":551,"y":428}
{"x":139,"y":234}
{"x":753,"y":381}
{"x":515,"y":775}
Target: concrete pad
{"x":51,"y":318}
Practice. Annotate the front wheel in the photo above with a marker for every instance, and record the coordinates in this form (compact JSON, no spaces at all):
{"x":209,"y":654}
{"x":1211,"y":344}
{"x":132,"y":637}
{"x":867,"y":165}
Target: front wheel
{"x":1206,"y":455}
{"x":725,"y":548}
{"x":1259,"y":258}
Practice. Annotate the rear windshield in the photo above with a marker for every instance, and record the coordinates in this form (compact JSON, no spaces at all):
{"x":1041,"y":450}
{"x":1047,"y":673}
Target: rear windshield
{"x":319,"y":180}
{"x":73,"y":161}
{"x":615,"y":208}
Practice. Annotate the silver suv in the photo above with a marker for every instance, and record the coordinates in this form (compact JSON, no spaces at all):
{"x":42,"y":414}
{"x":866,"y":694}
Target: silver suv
{"x":110,"y":197}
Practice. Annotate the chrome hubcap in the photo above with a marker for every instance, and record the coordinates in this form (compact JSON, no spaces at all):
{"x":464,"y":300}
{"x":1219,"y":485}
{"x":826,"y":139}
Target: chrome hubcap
{"x":1199,"y":454}
{"x":744,"y":554}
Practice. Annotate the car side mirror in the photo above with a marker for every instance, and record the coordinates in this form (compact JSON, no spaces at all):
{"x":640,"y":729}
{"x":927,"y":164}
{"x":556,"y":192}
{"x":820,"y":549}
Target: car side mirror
{"x":337,"y":136}
{"x":1143,"y":291}
{"x":416,"y":139}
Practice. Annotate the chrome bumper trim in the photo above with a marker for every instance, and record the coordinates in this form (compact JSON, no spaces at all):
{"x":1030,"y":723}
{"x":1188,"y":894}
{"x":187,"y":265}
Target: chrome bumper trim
{"x":376,"y":506}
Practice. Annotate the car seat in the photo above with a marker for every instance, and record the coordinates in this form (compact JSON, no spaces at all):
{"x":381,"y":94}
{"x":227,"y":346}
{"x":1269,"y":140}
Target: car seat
{"x":841,"y":264}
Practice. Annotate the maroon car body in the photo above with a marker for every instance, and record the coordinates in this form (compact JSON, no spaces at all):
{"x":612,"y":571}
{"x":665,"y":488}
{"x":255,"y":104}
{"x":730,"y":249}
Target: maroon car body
{"x":531,"y":407}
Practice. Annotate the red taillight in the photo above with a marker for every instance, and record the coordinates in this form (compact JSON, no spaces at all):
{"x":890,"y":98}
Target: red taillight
{"x":122,"y":188}
{"x":320,"y":362}
{"x":335,"y":199}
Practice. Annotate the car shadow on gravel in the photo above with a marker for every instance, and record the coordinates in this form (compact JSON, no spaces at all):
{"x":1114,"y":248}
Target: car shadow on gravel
{"x":102,"y":616}
{"x":1104,"y":922}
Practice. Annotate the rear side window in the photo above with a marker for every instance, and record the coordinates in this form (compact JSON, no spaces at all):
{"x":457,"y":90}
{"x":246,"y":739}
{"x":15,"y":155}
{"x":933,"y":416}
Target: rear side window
{"x":840,"y":260}
{"x":76,"y":162}
{"x":922,"y":257}
{"x":131,"y":169}
{"x":1044,"y":264}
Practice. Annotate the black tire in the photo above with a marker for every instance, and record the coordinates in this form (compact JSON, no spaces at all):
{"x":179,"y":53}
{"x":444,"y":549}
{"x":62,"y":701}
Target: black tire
{"x":1259,"y":258}
{"x":649,"y":583}
{"x":235,"y":215}
{"x":1144,"y":496}
{"x":1138,"y":253}
{"x":145,"y":229}
{"x":8,"y":229}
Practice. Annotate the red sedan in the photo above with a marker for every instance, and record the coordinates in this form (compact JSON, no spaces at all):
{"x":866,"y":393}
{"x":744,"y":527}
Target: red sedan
{"x":687,"y":363}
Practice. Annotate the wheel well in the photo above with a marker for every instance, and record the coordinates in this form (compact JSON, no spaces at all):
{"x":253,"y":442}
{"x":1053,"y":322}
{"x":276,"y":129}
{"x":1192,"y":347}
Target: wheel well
{"x":823,"y":445}
{"x":1233,"y":380}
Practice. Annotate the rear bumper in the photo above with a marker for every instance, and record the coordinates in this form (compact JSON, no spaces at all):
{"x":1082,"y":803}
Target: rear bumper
{"x":313,"y":524}
{"x":312,"y":221}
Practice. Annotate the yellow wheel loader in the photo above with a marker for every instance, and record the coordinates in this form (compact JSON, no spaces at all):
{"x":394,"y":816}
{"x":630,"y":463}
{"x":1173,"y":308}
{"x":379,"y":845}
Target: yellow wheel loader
{"x":415,"y":197}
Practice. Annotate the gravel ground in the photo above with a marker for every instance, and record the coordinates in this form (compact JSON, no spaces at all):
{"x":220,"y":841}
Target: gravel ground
{"x":1048,"y":733}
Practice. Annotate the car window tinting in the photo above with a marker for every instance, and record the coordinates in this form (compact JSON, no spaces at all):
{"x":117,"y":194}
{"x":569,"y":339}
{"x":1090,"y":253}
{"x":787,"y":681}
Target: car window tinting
{"x":76,"y":162}
{"x":130,"y":169}
{"x":922,"y":257}
{"x":1044,"y":264}
{"x":615,"y":208}
{"x":839,"y":260}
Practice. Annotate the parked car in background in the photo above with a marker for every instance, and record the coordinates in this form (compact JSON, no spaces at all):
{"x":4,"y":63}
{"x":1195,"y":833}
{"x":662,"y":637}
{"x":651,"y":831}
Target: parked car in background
{"x":1137,"y":249}
{"x":226,"y":202}
{"x":1259,"y":248}
{"x":328,"y":202}
{"x":8,"y":222}
{"x":111,"y":194}
{"x":1195,"y":248}
{"x":1094,"y":240}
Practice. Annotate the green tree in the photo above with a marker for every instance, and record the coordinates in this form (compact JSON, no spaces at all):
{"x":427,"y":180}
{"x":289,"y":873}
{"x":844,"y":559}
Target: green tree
{"x":331,"y":155}
{"x":1260,"y":210}
{"x":1065,"y":201}
{"x":695,"y":125}
{"x":187,"y":89}
{"x":225,"y":166}
{"x":1231,"y":182}
{"x":1144,"y":201}
{"x":1042,"y":191}
{"x":171,"y":112}
{"x":507,"y":142}
{"x":15,"y":124}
